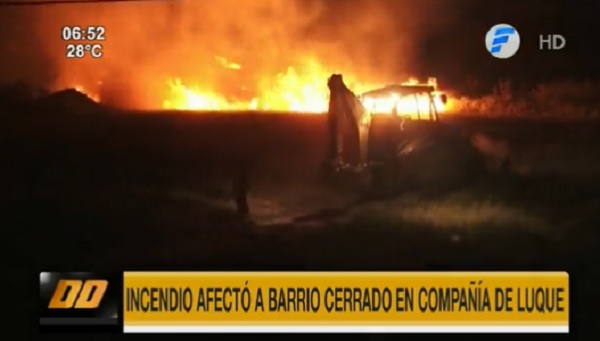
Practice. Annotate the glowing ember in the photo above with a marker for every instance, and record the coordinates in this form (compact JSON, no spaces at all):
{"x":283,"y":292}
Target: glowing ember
{"x":227,"y":64}
{"x":93,"y":96}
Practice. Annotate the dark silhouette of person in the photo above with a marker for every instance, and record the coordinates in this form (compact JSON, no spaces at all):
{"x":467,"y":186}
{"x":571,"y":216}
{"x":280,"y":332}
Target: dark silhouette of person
{"x":346,"y":112}
{"x":335,"y":117}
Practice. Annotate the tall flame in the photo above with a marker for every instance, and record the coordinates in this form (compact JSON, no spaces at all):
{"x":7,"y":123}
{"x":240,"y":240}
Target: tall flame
{"x":297,"y":89}
{"x":301,"y":89}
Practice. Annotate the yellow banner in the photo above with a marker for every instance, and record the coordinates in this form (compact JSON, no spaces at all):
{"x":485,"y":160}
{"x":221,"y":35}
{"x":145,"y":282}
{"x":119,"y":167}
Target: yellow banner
{"x":345,"y":299}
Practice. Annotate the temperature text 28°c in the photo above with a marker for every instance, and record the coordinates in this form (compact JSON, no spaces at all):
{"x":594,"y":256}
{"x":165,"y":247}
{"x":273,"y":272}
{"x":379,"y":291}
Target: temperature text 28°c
{"x":82,"y":50}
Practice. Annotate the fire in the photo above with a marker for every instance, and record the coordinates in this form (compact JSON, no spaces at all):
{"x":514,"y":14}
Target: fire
{"x":195,"y":98}
{"x":227,"y":64}
{"x":417,"y":106}
{"x":297,"y":89}
{"x":301,"y":90}
{"x":90,"y":94}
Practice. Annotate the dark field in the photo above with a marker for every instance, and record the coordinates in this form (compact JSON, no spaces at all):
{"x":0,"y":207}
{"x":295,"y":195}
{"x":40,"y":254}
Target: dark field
{"x":153,"y":191}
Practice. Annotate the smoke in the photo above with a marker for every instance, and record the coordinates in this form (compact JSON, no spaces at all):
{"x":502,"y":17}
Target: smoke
{"x":149,"y":42}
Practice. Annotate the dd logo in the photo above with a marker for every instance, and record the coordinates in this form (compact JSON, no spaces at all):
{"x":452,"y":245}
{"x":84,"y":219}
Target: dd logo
{"x":79,"y":300}
{"x":78,"y":294}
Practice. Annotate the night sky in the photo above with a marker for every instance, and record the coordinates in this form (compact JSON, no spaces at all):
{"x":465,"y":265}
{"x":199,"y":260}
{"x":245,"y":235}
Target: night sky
{"x":443,"y":38}
{"x":458,"y":51}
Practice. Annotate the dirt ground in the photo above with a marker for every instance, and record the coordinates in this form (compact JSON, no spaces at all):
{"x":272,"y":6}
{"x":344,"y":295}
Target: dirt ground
{"x":153,"y":191}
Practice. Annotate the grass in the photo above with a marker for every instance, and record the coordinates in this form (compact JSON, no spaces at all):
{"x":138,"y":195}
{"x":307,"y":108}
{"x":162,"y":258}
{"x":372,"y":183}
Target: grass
{"x":565,"y":99}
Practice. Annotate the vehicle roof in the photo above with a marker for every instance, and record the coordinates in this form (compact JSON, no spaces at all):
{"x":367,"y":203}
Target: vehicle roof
{"x":400,"y":89}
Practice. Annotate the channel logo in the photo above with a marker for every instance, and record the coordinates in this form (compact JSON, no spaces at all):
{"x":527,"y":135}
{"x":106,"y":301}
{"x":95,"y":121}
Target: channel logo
{"x":502,"y":41}
{"x":81,"y":299}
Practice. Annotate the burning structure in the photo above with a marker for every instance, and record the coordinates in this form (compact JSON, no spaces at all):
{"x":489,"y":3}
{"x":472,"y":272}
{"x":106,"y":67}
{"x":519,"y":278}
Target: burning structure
{"x":422,"y":152}
{"x":411,"y":99}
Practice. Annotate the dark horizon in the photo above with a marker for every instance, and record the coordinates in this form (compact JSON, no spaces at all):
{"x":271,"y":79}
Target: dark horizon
{"x":572,"y":19}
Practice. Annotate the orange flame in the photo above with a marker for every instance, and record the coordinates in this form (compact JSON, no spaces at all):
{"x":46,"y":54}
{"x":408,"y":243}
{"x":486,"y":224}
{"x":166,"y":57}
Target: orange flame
{"x":416,"y":106}
{"x":296,"y":90}
{"x":92,"y":95}
{"x":301,"y":89}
